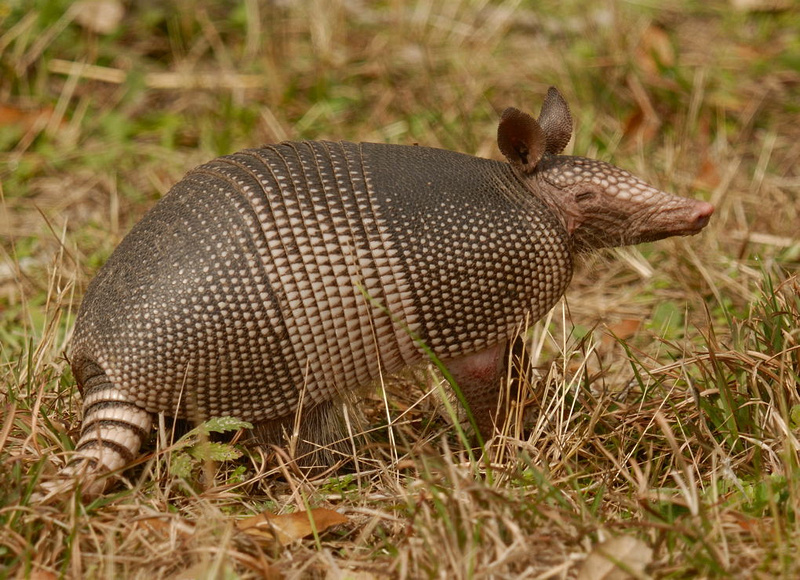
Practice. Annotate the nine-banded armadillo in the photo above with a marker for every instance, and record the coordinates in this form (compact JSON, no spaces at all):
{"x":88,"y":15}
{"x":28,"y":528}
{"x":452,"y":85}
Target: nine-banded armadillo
{"x":303,"y":271}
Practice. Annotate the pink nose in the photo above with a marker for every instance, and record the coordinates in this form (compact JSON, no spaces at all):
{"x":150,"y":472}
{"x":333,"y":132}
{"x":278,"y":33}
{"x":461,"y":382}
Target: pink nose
{"x":702,"y":213}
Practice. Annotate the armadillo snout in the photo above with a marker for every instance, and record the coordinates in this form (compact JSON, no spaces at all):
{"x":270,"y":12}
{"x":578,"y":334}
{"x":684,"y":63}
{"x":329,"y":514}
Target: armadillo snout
{"x":701,"y":215}
{"x":676,"y":217}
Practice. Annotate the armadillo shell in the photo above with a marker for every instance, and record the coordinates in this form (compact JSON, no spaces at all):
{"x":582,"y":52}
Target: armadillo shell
{"x":303,"y":270}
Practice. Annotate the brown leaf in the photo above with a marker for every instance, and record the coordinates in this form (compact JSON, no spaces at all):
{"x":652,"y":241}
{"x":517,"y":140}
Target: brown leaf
{"x":287,"y":528}
{"x":621,"y":330}
{"x":626,"y":327}
{"x":618,"y":558}
{"x":26,"y":118}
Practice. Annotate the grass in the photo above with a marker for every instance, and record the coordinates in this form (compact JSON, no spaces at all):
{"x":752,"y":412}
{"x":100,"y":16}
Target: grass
{"x":665,"y":408}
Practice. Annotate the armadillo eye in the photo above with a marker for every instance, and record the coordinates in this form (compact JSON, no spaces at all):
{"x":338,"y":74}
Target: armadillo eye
{"x":584,"y":195}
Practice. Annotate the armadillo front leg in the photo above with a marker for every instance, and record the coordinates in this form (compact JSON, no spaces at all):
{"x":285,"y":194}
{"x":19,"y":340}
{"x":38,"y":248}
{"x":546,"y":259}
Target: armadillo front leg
{"x":480,"y":376}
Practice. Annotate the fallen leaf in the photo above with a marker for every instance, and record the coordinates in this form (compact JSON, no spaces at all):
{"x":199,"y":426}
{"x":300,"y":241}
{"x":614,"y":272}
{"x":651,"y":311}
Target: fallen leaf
{"x":625,"y":328}
{"x":287,"y":528}
{"x":99,"y":16}
{"x":26,"y":118}
{"x":618,"y":558}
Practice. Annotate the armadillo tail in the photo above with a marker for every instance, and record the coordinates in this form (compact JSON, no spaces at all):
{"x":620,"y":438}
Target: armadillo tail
{"x":317,"y":437}
{"x":113,"y":427}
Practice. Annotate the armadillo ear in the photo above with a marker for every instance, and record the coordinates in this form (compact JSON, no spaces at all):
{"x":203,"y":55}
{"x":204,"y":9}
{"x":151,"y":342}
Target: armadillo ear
{"x":556,"y":122}
{"x":521,"y":139}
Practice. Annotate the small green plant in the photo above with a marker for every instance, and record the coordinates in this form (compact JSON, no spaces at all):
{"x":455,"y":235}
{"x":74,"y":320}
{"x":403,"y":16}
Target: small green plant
{"x":191,"y":453}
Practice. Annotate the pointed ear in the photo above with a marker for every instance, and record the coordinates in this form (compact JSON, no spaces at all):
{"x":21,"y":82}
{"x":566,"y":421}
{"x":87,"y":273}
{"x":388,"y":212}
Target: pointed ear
{"x":556,"y":122}
{"x":521,"y":139}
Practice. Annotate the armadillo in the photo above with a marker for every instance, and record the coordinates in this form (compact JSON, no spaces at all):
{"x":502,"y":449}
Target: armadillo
{"x":281,"y":279}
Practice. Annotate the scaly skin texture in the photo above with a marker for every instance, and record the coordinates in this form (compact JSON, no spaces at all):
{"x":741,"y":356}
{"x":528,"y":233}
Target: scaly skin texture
{"x":304,"y":271}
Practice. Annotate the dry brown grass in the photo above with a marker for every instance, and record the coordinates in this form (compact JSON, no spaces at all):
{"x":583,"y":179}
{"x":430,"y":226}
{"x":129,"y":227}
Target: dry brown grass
{"x":680,"y":433}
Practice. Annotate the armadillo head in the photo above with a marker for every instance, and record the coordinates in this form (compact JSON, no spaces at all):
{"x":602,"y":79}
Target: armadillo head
{"x":599,"y":204}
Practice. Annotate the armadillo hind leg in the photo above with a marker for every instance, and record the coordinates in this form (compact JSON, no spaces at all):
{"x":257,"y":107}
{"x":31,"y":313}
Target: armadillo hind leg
{"x":480,"y":377}
{"x":112,"y":433}
{"x":316,"y":437}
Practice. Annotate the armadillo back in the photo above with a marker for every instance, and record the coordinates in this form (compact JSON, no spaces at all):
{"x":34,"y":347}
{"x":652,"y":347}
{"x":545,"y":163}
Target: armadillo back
{"x":314,"y":266}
